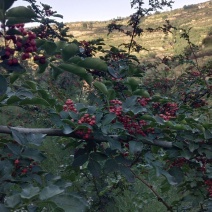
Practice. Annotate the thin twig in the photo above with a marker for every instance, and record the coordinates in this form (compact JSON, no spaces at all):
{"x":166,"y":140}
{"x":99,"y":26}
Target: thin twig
{"x":160,"y":199}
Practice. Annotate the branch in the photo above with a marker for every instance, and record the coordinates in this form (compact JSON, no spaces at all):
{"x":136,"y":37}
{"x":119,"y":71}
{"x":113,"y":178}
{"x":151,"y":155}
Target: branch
{"x":59,"y":132}
{"x":160,"y":199}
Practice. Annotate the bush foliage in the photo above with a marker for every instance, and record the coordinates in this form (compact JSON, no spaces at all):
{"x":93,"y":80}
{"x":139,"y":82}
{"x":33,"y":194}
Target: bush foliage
{"x":122,"y":124}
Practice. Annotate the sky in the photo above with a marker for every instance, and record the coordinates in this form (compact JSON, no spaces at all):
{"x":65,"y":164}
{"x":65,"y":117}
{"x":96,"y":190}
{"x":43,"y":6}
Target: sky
{"x":96,"y":10}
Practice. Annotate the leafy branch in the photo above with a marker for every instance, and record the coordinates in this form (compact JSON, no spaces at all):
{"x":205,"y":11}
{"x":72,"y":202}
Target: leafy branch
{"x":59,"y":132}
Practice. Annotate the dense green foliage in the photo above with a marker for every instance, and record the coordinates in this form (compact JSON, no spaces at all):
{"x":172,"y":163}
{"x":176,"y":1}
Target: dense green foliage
{"x":130,"y":133}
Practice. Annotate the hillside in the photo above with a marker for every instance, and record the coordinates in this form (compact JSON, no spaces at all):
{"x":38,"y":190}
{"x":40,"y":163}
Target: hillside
{"x":198,"y":17}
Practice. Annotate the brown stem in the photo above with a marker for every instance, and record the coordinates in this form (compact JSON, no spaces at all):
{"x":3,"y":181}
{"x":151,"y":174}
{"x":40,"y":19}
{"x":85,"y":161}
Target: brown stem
{"x":59,"y":132}
{"x":160,"y":199}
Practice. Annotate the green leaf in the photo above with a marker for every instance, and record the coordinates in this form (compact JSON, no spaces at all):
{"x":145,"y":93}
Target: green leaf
{"x":14,"y":76}
{"x":147,"y":117}
{"x":80,"y":160}
{"x":142,"y":93}
{"x":101,"y":87}
{"x":208,"y":134}
{"x":88,"y":78}
{"x":50,"y":191}
{"x":18,"y":137}
{"x":121,"y":160}
{"x":159,"y":120}
{"x":94,"y":167}
{"x":60,"y":45}
{"x":74,"y":69}
{"x":3,"y":208}
{"x":31,"y":138}
{"x":22,"y":94}
{"x":31,"y":84}
{"x":69,"y":51}
{"x":34,"y":101}
{"x":3,"y":85}
{"x":35,"y":139}
{"x":6,"y":4}
{"x":116,"y":73}
{"x":93,"y":63}
{"x":19,"y":14}
{"x":177,"y":173}
{"x":171,"y":179}
{"x":98,"y":156}
{"x":69,"y":122}
{"x":40,"y":43}
{"x":55,"y":71}
{"x":15,"y":149}
{"x":127,"y":173}
{"x":108,"y":118}
{"x":106,"y":129}
{"x":186,"y":154}
{"x":67,"y":129}
{"x":70,"y":202}
{"x":33,"y":154}
{"x":135,"y":147}
{"x":56,"y":119}
{"x":29,"y":192}
{"x":42,"y":67}
{"x":130,"y":101}
{"x":58,"y":15}
{"x":133,"y":83}
{"x":13,"y":200}
{"x":49,"y":47}
{"x":193,"y":146}
{"x":75,"y":60}
{"x":111,"y":166}
{"x":114,"y":144}
{"x":111,"y":94}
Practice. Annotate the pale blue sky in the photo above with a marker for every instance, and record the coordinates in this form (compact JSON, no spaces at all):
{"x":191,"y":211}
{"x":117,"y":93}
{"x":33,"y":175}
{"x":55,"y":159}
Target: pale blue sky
{"x":97,"y":10}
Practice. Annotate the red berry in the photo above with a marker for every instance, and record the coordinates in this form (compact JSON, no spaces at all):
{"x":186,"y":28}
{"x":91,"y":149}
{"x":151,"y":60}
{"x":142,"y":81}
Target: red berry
{"x":16,"y":162}
{"x":15,"y":61}
{"x":42,"y":60}
{"x":36,"y":58}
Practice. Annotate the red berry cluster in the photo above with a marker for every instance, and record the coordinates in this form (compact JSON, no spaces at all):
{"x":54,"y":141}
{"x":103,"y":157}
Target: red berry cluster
{"x":40,"y":59}
{"x":25,"y":43}
{"x":166,"y":111}
{"x":143,"y":101}
{"x":84,"y":133}
{"x":69,"y":106}
{"x":117,"y":56}
{"x":19,"y":169}
{"x":162,"y":84}
{"x":203,"y":162}
{"x":131,"y":124}
{"x":179,"y":162}
{"x":116,"y":107}
{"x":41,"y":31}
{"x":86,"y":47}
{"x":87,"y":119}
{"x":199,"y":103}
{"x":195,"y":73}
{"x":209,"y":185}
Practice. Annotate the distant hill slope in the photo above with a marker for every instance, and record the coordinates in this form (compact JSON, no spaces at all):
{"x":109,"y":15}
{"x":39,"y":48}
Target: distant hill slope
{"x":198,"y":16}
